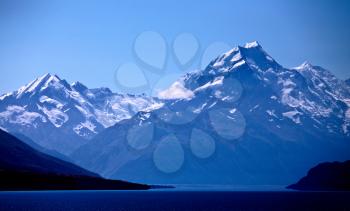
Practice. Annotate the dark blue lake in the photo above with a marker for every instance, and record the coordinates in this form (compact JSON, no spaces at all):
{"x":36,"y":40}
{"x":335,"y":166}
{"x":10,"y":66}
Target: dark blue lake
{"x":179,"y":199}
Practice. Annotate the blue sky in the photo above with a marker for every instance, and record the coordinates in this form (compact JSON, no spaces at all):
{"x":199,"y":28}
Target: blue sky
{"x":88,"y":40}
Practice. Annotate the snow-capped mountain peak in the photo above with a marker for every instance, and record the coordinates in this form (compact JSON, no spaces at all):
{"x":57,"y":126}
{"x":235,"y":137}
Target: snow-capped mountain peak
{"x":305,"y":65}
{"x":251,"y":54}
{"x":257,"y":57}
{"x":46,"y":81}
{"x":268,"y":123}
{"x":71,"y":112}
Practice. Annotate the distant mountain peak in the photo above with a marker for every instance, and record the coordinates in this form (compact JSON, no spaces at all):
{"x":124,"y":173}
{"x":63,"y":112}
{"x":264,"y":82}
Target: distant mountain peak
{"x":40,"y":84}
{"x":48,"y":77}
{"x":251,"y":54}
{"x":306,"y":64}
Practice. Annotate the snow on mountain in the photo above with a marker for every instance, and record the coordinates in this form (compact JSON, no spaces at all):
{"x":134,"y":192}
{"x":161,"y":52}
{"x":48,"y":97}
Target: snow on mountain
{"x":176,"y":91}
{"x":61,"y":116}
{"x":249,"y":121}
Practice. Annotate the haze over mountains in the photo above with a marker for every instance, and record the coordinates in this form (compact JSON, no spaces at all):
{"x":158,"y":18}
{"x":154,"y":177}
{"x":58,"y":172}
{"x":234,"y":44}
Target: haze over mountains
{"x":244,"y":119}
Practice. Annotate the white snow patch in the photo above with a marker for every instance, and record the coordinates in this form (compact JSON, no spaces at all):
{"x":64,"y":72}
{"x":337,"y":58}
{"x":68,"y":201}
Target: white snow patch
{"x":271,"y":113}
{"x":176,"y":91}
{"x":153,"y":106}
{"x":3,"y":129}
{"x":18,"y":115}
{"x":255,"y":107}
{"x":346,"y":124}
{"x":145,"y":116}
{"x":45,"y":99}
{"x":213,"y":104}
{"x":123,"y":107}
{"x":269,"y":58}
{"x":217,"y":81}
{"x":287,"y":87}
{"x":23,"y":89}
{"x":293,"y":115}
{"x":5,"y":95}
{"x":238,"y":64}
{"x":218,"y":63}
{"x":232,"y":111}
{"x":236,"y":57}
{"x":87,"y":124}
{"x":228,"y":53}
{"x":198,"y":110}
{"x":55,"y":116}
{"x":76,"y":96}
{"x":251,"y":44}
{"x":52,"y":81}
{"x":83,"y":111}
{"x":108,"y":119}
{"x":40,"y":80}
{"x":304,"y":65}
{"x":35,"y":84}
{"x":221,"y":59}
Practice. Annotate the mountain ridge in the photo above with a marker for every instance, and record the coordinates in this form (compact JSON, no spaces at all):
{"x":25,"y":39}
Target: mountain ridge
{"x":18,"y":156}
{"x":328,"y":176}
{"x":24,"y":168}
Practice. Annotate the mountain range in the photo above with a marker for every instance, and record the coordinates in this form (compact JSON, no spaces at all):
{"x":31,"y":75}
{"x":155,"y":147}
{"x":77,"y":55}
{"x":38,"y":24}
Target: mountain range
{"x":244,"y":119}
{"x":61,"y":116}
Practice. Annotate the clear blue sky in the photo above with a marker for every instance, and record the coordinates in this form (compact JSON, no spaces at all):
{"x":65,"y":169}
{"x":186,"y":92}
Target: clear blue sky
{"x":88,"y":40}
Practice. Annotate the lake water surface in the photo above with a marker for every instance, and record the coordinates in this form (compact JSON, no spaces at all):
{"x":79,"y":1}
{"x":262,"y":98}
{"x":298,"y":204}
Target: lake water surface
{"x":181,"y":198}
